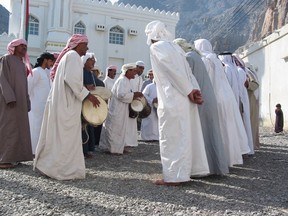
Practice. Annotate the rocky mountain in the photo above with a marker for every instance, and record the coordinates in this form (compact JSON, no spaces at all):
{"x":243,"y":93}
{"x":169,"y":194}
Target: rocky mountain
{"x":228,"y":24}
{"x":4,"y":19}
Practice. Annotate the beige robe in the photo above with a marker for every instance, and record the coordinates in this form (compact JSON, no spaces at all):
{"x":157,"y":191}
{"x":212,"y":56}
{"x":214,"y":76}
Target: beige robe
{"x":15,"y":145}
{"x":59,"y":151}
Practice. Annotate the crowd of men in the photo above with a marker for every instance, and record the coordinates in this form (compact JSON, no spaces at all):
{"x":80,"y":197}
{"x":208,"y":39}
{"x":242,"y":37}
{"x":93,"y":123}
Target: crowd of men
{"x":204,"y":108}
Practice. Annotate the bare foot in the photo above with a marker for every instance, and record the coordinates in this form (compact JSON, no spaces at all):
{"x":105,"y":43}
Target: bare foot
{"x":162,"y":182}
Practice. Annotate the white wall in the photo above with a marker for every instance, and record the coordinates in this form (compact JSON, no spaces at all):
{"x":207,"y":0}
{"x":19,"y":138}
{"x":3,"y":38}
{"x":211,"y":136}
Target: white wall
{"x":268,"y":57}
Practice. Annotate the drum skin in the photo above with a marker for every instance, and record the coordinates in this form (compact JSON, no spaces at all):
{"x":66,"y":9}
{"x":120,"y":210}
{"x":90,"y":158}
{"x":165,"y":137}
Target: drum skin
{"x":139,"y":108}
{"x":94,"y":116}
{"x":138,"y":104}
{"x":103,"y":92}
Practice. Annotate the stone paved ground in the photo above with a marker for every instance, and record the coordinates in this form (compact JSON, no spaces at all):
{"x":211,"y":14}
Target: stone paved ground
{"x":121,"y":185}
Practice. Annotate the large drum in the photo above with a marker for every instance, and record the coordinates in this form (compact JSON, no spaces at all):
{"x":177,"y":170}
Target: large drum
{"x":132,"y":113}
{"x":138,"y":104}
{"x":145,"y":112}
{"x":94,"y":116}
{"x":139,"y":107}
{"x":103,"y":92}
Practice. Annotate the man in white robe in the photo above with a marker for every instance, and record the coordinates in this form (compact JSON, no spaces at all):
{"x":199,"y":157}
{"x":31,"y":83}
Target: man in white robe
{"x":231,"y":125}
{"x":59,"y":151}
{"x":137,"y":82}
{"x":149,"y":125}
{"x":109,"y":80}
{"x":244,"y":99}
{"x":231,"y":73}
{"x":136,"y":85}
{"x":116,"y":134}
{"x":38,"y":90}
{"x":181,"y":141}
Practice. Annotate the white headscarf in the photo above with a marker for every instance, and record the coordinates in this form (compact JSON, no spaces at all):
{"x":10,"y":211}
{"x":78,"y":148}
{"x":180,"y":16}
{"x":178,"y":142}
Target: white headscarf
{"x":87,"y":56}
{"x":140,"y":63}
{"x":156,"y":30}
{"x":126,"y":67}
{"x":113,"y":67}
{"x":204,"y":46}
{"x":187,"y":47}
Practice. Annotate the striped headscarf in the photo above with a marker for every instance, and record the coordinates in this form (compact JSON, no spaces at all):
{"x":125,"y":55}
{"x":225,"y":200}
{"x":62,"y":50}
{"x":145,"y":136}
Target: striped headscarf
{"x":11,"y":48}
{"x":73,"y":41}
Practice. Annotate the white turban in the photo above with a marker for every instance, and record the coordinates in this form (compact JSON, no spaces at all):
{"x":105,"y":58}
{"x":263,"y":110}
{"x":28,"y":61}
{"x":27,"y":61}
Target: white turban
{"x":126,"y":67}
{"x":140,"y":63}
{"x":187,"y":47}
{"x":87,"y":56}
{"x":156,"y":30}
{"x":204,"y":46}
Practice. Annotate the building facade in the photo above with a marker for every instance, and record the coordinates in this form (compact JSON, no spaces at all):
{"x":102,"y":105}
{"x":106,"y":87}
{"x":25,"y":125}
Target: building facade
{"x":115,"y":31}
{"x":269,"y":58}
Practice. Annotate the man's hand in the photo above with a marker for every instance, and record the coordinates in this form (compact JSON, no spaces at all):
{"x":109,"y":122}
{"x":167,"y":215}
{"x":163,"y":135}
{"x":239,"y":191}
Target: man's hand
{"x":93,"y":100}
{"x":195,"y":96}
{"x":90,"y":87}
{"x":137,"y":95}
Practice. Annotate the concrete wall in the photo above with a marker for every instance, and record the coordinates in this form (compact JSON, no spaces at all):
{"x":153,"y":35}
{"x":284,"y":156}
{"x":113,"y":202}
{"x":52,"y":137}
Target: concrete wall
{"x":270,"y":60}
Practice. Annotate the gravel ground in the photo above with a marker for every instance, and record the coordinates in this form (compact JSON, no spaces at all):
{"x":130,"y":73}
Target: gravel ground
{"x":121,"y":185}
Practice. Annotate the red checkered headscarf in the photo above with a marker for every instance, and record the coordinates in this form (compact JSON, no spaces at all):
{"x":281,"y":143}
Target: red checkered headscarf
{"x":73,"y":41}
{"x":11,"y":48}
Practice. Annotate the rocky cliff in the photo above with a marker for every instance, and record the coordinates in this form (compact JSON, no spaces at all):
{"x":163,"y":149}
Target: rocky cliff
{"x":274,"y":17}
{"x":4,"y":19}
{"x":228,"y":24}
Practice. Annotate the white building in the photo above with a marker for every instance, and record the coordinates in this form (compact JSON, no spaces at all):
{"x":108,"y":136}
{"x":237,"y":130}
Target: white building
{"x":270,"y":60}
{"x":115,"y":31}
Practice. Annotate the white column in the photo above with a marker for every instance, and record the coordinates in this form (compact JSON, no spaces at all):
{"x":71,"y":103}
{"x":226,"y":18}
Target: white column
{"x":15,"y":17}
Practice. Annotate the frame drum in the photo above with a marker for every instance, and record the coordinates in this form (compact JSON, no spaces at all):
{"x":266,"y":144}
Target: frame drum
{"x":103,"y":92}
{"x":138,"y":104}
{"x":145,"y":112}
{"x":94,"y":115}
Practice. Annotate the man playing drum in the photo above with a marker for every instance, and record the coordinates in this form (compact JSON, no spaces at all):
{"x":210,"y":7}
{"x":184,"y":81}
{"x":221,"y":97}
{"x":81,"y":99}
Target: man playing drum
{"x":91,"y":82}
{"x":59,"y":150}
{"x":115,"y":133}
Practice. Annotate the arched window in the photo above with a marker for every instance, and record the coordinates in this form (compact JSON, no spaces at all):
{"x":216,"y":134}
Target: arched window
{"x":116,"y":35}
{"x":79,"y":28}
{"x":33,"y":25}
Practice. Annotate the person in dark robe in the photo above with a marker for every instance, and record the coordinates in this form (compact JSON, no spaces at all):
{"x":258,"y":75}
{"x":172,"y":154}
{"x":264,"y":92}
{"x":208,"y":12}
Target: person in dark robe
{"x":279,"y":123}
{"x":15,"y":145}
{"x":90,"y":81}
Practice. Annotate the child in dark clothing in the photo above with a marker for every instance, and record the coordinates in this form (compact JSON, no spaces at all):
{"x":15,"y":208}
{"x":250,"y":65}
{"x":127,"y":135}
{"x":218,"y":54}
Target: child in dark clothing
{"x":279,"y":123}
